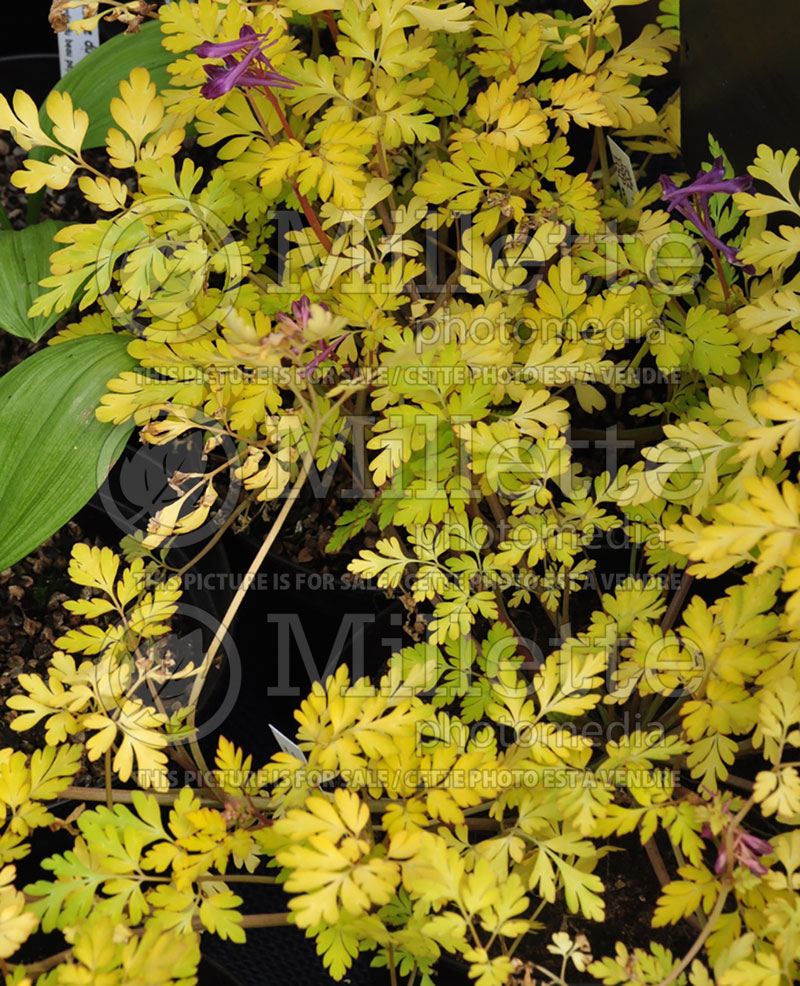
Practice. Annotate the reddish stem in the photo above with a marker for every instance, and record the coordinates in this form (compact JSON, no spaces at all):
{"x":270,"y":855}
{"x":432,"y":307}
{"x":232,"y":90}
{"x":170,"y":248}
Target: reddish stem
{"x":327,"y":16}
{"x":308,"y":212}
{"x":726,"y":293}
{"x":279,"y":110}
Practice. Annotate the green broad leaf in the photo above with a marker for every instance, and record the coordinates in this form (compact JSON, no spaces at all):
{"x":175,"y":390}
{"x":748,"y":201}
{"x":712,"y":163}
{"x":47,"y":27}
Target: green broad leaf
{"x":24,"y":261}
{"x":54,"y":453}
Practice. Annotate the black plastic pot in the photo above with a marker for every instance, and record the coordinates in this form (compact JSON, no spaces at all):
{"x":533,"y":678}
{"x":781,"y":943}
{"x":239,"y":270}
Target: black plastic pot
{"x":32,"y":31}
{"x":36,"y":70}
{"x":210,"y":973}
{"x":281,"y":956}
{"x":35,"y":74}
{"x":738,"y":78}
{"x":295,"y":626}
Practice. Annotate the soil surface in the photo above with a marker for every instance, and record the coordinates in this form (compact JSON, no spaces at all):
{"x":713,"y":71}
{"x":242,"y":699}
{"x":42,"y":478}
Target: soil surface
{"x":32,"y":618}
{"x":631,"y":892}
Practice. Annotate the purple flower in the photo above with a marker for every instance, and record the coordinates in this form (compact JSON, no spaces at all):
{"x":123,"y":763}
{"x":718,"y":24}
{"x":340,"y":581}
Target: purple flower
{"x":745,"y":848}
{"x":254,"y":69}
{"x":298,"y":320}
{"x":219,"y":49}
{"x":301,"y":310}
{"x":295,"y":324}
{"x":691,"y":201}
{"x":326,"y":351}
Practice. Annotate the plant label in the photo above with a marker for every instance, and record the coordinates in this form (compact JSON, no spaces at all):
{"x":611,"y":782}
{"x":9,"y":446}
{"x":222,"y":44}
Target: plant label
{"x":73,"y":47}
{"x":288,"y":746}
{"x":625,"y":174}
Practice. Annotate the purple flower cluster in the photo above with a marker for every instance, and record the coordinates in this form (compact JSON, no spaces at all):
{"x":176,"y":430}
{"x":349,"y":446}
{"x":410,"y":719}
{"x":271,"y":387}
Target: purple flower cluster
{"x":298,"y":320}
{"x":745,"y":848}
{"x":691,"y":201}
{"x":254,"y":69}
{"x":295,"y":325}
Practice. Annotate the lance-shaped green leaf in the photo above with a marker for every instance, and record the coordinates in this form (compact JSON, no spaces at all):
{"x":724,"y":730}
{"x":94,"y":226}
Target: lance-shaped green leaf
{"x":54,"y":453}
{"x":24,"y":261}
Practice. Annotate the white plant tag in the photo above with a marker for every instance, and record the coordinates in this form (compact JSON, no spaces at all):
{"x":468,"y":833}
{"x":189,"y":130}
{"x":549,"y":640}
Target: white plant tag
{"x":73,"y":47}
{"x":625,"y":174}
{"x":288,"y":746}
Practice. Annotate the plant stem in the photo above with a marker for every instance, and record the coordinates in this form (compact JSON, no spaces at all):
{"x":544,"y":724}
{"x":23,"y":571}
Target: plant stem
{"x":726,"y":291}
{"x":737,"y":818}
{"x":699,"y":941}
{"x":602,"y":151}
{"x":213,"y":540}
{"x":305,"y":205}
{"x":211,"y":877}
{"x":499,"y":514}
{"x":35,"y":968}
{"x":504,"y":617}
{"x":109,"y":792}
{"x":634,"y":560}
{"x":698,"y":919}
{"x":517,"y":941}
{"x":649,"y":709}
{"x":34,"y":209}
{"x":741,"y":782}
{"x":643,"y":350}
{"x":654,"y":856}
{"x":327,"y":16}
{"x":165,"y":798}
{"x":551,"y":976}
{"x":234,"y":878}
{"x":236,"y":602}
{"x":564,"y":617}
{"x":274,"y":920}
{"x":677,"y":601}
{"x":256,"y":563}
{"x":315,"y":48}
